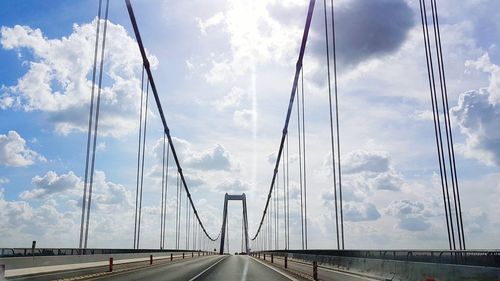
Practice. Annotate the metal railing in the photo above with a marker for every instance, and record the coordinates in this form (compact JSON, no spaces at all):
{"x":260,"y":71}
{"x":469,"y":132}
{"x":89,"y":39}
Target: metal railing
{"x":490,"y":258}
{"x":28,"y":252}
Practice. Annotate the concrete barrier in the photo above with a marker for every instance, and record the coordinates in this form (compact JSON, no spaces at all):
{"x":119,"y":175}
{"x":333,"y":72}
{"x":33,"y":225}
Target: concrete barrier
{"x":20,"y":266}
{"x":399,"y":270}
{"x":23,"y":262}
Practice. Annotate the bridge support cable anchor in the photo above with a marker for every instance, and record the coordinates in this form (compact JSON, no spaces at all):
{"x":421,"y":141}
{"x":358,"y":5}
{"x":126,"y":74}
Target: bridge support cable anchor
{"x":89,"y":134}
{"x":96,"y":125}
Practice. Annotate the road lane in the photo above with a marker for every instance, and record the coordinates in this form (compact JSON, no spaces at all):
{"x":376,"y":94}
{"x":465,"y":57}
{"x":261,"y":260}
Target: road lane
{"x":184,"y":270}
{"x":241,"y":268}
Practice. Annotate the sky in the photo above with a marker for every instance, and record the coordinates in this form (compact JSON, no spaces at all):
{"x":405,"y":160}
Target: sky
{"x":224,"y":71}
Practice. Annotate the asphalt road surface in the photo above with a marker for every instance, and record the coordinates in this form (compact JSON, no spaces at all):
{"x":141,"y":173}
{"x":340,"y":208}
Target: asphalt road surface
{"x":184,"y":270}
{"x":241,"y":268}
{"x":227,"y":268}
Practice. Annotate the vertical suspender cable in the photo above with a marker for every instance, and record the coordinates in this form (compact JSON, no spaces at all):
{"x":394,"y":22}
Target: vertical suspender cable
{"x":142,"y":165}
{"x":331,"y":128}
{"x":446,"y":109}
{"x":177,"y":213}
{"x":165,"y":199}
{"x":337,"y":124}
{"x":241,"y":251}
{"x":293,"y":93}
{"x":227,"y":233}
{"x":162,"y":192}
{"x":277,"y":213}
{"x":180,"y":212}
{"x":430,"y":75}
{"x":442,"y":157}
{"x":446,"y":123}
{"x":304,"y":159}
{"x":300,"y":173}
{"x":91,"y":116}
{"x":146,"y":64}
{"x":138,"y":160}
{"x":187,"y":223}
{"x":284,"y":203}
{"x":287,"y":196}
{"x":98,"y":103}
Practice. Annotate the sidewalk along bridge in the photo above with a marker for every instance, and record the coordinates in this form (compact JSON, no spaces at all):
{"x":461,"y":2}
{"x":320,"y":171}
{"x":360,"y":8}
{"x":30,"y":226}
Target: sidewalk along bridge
{"x":268,"y":254}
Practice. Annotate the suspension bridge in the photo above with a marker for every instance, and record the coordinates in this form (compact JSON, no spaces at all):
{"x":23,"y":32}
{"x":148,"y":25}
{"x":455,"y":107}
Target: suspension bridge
{"x":266,"y":250}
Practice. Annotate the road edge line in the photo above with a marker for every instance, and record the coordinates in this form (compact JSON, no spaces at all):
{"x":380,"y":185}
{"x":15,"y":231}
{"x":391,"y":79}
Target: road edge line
{"x":279,"y":271}
{"x":206,"y":269}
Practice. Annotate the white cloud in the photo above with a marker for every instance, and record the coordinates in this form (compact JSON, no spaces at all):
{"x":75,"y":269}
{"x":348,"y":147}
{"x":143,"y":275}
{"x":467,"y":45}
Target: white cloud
{"x":58,"y":80}
{"x":56,"y":220}
{"x":69,"y":186}
{"x":233,"y":186}
{"x":216,"y":158}
{"x":358,"y":212}
{"x":244,"y":118}
{"x":233,"y":99}
{"x":412,"y":215}
{"x":478,"y":115}
{"x":366,"y":161}
{"x":210,"y":22}
{"x":477,"y":220}
{"x":254,"y":36}
{"x":14,"y":153}
{"x":51,"y":183}
{"x":3,"y":181}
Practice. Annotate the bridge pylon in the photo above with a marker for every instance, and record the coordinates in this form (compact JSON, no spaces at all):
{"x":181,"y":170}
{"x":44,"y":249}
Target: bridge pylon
{"x":227,"y":198}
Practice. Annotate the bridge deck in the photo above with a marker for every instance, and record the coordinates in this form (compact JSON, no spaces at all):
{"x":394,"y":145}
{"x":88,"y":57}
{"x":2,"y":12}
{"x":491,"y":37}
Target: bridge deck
{"x":225,"y":267}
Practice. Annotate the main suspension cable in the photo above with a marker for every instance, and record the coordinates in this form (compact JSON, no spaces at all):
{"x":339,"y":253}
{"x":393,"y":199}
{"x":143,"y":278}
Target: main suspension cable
{"x":166,"y":129}
{"x":298,"y":68}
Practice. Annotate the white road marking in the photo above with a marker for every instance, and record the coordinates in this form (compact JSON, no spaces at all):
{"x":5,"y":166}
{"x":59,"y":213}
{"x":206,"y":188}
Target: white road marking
{"x":279,"y":271}
{"x":245,"y":271}
{"x":201,"y":273}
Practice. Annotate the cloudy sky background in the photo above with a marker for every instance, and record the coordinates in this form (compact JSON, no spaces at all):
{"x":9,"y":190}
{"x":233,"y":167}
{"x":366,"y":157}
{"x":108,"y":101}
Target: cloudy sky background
{"x":224,"y":71}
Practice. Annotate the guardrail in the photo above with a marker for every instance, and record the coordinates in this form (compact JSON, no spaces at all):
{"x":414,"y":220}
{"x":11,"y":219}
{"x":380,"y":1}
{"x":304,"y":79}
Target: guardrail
{"x":400,"y":264}
{"x":28,"y":252}
{"x":490,"y":258}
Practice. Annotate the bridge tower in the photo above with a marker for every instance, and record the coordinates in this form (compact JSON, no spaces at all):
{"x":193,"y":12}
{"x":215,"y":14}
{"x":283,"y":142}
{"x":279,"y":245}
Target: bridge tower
{"x":227,"y":198}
